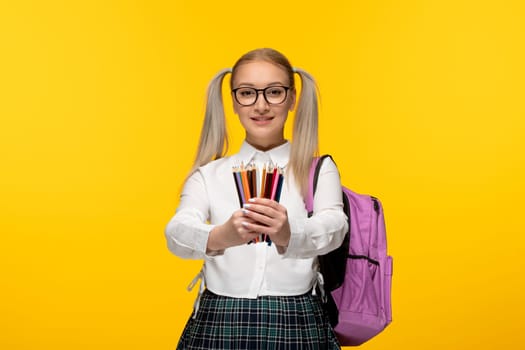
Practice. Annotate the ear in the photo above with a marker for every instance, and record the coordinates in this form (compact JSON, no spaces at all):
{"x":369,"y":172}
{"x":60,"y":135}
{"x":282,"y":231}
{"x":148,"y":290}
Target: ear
{"x":293,"y":98}
{"x":235,"y":107}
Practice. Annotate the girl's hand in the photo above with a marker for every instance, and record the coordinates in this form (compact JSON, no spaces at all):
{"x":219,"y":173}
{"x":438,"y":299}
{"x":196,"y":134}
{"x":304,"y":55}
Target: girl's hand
{"x":267,"y":216}
{"x":232,"y":233}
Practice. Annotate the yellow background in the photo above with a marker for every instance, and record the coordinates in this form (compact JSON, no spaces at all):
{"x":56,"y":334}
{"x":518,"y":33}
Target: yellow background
{"x":101,"y":105}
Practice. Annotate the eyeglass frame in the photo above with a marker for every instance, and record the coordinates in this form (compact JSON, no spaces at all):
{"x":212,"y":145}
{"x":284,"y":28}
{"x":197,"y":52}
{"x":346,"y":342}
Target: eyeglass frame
{"x":286,"y":88}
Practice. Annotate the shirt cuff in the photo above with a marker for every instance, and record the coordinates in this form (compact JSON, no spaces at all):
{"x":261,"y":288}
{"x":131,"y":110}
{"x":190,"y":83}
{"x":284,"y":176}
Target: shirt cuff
{"x":202,"y":243}
{"x":199,"y":234}
{"x":297,"y":239}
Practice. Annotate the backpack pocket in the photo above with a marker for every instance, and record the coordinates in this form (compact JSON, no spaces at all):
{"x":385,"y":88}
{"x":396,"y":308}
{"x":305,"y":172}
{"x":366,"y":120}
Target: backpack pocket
{"x":361,"y":293}
{"x":388,"y":288}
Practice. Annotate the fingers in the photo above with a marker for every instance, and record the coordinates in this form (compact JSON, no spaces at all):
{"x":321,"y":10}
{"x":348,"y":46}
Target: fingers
{"x":261,"y":215}
{"x":242,"y":226}
{"x":264,"y":221}
{"x":256,"y":228}
{"x":265,"y":207}
{"x":265,"y":202}
{"x":267,"y":216}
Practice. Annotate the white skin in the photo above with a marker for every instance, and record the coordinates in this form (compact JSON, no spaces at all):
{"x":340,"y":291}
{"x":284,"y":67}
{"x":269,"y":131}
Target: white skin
{"x":264,"y":127}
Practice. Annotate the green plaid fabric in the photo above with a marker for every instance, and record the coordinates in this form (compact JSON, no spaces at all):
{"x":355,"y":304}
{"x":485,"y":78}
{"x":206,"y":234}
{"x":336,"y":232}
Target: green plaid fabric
{"x":265,"y":323}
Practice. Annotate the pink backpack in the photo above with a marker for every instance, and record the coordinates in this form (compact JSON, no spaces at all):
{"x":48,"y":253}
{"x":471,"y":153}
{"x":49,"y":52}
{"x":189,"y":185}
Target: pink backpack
{"x":357,"y":275}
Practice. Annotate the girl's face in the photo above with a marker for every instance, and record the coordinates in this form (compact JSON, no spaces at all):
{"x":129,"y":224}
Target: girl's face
{"x":262,"y":121}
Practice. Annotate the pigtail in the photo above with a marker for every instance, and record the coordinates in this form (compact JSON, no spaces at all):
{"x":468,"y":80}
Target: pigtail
{"x":213,"y":142}
{"x":305,"y":131}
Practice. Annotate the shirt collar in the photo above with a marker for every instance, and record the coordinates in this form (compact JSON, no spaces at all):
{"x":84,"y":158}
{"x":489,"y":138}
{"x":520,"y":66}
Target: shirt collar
{"x":278,"y":155}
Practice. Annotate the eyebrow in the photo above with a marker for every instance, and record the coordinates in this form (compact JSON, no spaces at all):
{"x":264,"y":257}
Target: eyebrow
{"x":269,"y":84}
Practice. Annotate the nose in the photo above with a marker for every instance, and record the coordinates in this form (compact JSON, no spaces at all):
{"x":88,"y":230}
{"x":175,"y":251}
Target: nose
{"x":260,"y":103}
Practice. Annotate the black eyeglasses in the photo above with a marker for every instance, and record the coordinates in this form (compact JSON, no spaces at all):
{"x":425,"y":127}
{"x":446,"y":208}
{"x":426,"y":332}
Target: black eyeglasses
{"x":247,"y":96}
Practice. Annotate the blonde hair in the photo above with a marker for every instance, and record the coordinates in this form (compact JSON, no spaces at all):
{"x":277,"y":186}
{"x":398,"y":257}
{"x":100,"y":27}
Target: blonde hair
{"x":213,"y":142}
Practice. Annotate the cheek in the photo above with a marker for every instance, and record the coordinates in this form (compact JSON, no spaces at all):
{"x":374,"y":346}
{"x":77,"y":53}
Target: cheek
{"x":241,"y":112}
{"x":243,"y":117}
{"x":284,"y":110}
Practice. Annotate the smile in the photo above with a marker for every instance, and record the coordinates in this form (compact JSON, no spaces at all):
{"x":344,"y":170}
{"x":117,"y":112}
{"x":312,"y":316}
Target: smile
{"x":261,"y":119}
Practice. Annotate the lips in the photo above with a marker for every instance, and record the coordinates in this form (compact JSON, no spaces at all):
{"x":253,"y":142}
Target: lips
{"x":261,"y":119}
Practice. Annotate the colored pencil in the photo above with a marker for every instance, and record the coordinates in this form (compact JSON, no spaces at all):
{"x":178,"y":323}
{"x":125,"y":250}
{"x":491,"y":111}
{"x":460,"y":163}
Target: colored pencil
{"x":263,"y":181}
{"x":245,"y":185}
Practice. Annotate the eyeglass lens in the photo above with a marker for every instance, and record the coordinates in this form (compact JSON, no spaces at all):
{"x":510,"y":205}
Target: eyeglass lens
{"x":247,"y":96}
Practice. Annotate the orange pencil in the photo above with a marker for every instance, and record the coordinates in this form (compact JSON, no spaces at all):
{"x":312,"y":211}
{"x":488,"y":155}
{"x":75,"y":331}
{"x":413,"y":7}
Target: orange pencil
{"x":245,"y":185}
{"x":263,"y":181}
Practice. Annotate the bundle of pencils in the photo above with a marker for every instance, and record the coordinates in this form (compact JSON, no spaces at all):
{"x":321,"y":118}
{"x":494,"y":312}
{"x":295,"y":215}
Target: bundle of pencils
{"x":250,"y":185}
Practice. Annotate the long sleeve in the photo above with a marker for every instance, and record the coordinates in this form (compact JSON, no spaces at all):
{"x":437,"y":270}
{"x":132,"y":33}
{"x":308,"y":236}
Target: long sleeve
{"x":324,"y":231}
{"x":188,"y":231}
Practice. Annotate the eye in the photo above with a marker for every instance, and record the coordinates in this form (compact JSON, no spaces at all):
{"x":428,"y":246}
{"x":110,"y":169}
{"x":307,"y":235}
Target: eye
{"x":246,"y":92}
{"x":275,"y":91}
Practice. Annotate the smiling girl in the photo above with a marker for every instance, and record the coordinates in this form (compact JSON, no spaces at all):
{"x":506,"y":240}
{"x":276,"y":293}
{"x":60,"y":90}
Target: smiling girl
{"x":258,"y":296}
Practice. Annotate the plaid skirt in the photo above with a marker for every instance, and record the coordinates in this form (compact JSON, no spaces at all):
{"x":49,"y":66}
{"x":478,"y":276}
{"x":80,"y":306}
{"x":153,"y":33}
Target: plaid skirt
{"x":268,"y":322}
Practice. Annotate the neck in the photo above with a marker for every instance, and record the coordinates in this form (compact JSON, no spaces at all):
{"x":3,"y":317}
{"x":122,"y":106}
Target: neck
{"x":265,"y":146}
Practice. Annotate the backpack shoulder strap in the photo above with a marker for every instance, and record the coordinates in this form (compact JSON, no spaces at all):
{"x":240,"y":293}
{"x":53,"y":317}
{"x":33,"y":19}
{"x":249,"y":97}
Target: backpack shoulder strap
{"x":315,"y":168}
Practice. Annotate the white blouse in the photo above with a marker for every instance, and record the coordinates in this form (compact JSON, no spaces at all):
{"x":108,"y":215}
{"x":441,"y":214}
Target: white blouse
{"x":209,"y":198}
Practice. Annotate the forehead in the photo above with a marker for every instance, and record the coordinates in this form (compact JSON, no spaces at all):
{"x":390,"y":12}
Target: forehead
{"x":259,"y":73}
